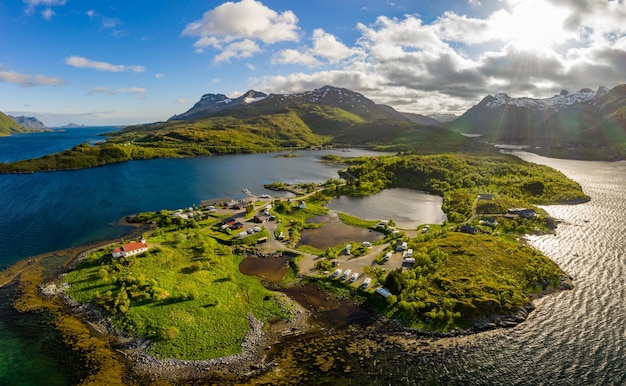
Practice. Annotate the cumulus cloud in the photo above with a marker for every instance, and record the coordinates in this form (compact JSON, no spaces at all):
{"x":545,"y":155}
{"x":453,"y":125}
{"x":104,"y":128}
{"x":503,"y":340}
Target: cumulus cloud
{"x":29,"y":80}
{"x":233,"y":24}
{"x":529,"y":48}
{"x":293,"y":56}
{"x":241,"y":49}
{"x":325,"y":49}
{"x":81,"y":62}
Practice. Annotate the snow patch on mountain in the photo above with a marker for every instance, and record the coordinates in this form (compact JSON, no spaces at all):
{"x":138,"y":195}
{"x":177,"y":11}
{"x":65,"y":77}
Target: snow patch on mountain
{"x":555,"y":102}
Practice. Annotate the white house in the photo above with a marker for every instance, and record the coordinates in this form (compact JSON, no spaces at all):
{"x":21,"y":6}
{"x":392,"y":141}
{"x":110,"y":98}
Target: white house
{"x":130,"y":249}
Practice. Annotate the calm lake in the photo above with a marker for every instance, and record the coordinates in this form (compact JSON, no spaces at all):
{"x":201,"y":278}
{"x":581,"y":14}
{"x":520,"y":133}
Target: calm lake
{"x":573,"y":338}
{"x":408,"y":208}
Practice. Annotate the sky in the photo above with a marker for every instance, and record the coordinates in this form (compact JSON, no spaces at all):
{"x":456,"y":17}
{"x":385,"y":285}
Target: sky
{"x":127,"y":62}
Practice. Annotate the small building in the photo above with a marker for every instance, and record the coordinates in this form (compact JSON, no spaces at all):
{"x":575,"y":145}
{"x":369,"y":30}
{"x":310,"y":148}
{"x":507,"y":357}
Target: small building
{"x":301,"y":205}
{"x":130,"y":249}
{"x":383,"y":292}
{"x":469,"y":229}
{"x":523,"y":212}
{"x":490,"y":221}
{"x":484,"y":196}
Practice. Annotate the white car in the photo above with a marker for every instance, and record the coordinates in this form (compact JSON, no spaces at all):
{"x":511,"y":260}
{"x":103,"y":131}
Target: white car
{"x":337,"y":272}
{"x":366,"y":283}
{"x":354,"y":277}
{"x":346,"y":274}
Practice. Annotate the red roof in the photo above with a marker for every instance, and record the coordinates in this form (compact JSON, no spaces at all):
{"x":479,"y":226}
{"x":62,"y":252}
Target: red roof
{"x":131,"y":247}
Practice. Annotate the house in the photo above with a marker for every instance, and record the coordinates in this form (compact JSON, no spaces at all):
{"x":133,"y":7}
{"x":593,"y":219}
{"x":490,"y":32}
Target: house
{"x":523,"y":212}
{"x":487,"y":197}
{"x":469,"y":229}
{"x":492,"y":222}
{"x":130,"y":249}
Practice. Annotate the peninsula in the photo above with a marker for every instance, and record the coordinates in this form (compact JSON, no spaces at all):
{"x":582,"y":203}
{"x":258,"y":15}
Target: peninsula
{"x":185,"y":301}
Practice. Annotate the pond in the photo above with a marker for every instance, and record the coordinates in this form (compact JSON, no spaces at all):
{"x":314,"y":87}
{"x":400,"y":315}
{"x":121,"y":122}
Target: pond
{"x":335,"y":232}
{"x":408,"y":208}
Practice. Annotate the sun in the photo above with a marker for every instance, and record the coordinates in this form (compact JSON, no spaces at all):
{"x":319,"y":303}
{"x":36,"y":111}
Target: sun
{"x":533,"y":24}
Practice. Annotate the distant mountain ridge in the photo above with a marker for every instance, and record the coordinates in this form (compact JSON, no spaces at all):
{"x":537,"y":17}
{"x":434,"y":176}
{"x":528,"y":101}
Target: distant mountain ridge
{"x":257,"y":103}
{"x":30,"y":123}
{"x":582,"y":119}
{"x":329,"y":115}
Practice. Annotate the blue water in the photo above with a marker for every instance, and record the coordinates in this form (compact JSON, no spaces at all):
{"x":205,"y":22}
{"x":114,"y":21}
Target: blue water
{"x":47,"y":211}
{"x":34,"y":145}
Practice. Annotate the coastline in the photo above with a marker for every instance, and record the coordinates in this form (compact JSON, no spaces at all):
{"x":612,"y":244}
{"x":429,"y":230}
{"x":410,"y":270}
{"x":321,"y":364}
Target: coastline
{"x":254,"y":360}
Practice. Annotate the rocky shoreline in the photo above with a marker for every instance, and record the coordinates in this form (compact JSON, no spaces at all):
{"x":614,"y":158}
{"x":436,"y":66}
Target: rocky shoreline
{"x":255,"y":358}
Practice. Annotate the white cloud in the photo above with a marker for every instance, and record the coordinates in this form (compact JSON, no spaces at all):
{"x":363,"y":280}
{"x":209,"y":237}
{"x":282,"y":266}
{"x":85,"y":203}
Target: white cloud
{"x":240,"y":49}
{"x":159,"y":76}
{"x":236,"y":22}
{"x":328,"y":47}
{"x":47,"y":13}
{"x":29,"y":80}
{"x":182,"y":101}
{"x":81,"y":62}
{"x":292,"y":56}
{"x":528,"y":48}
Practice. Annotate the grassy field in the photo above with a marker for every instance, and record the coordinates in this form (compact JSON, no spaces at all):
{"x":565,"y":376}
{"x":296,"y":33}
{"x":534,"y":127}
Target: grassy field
{"x":186,"y":294}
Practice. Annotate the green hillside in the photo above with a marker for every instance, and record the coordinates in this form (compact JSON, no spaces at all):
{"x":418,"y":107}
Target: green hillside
{"x":294,"y":127}
{"x":9,"y":126}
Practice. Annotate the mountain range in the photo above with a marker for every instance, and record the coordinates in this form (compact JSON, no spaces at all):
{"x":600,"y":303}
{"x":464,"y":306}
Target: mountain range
{"x":30,"y":123}
{"x":328,"y":115}
{"x":586,"y":118}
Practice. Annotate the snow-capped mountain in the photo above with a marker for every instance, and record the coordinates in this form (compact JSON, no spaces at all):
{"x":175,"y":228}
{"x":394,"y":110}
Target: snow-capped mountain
{"x":213,"y":103}
{"x":555,"y":102}
{"x":566,"y":119}
{"x":255,"y":103}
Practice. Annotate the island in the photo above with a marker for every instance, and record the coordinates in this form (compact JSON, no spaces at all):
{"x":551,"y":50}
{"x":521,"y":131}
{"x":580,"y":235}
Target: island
{"x":224,"y":291}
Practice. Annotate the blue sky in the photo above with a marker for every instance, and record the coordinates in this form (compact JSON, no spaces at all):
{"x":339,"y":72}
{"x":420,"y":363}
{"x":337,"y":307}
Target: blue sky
{"x":127,"y":62}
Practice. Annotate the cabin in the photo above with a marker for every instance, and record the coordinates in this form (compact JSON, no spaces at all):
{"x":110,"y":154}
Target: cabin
{"x":130,"y":249}
{"x":523,"y":212}
{"x":469,"y":229}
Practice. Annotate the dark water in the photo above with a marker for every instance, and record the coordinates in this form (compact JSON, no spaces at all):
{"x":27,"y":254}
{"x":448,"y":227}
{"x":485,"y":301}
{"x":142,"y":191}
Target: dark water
{"x":408,"y":208}
{"x":34,"y":145}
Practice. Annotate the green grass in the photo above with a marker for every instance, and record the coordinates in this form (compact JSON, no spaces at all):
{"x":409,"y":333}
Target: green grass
{"x":357,"y":222}
{"x":186,"y":295}
{"x":459,"y":277}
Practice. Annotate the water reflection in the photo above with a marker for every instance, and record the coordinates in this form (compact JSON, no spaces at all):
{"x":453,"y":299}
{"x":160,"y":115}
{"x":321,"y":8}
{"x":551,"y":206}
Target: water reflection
{"x":408,"y":208}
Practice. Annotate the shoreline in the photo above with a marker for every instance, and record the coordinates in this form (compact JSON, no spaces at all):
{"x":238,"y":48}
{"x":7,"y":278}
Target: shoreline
{"x":253,"y":360}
